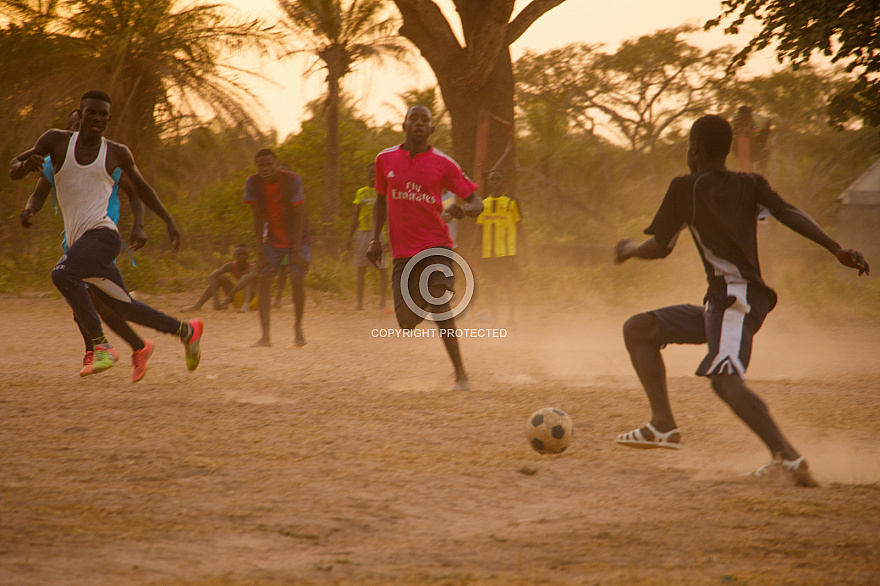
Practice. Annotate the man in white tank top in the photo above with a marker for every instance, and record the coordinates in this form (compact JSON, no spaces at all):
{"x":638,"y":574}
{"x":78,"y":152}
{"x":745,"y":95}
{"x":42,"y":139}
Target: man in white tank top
{"x":84,"y":163}
{"x":141,"y":348}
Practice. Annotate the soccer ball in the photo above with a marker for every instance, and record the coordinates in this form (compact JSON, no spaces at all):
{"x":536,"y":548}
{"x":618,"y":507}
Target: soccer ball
{"x":549,"y":430}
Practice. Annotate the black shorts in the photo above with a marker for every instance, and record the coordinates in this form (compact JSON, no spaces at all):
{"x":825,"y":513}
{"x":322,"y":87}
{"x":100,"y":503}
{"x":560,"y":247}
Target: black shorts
{"x":728,"y":321}
{"x":438,"y":283}
{"x":92,"y":258}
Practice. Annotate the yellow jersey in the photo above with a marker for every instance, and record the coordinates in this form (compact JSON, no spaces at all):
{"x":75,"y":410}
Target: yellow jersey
{"x":499,"y":218}
{"x":365,"y":198}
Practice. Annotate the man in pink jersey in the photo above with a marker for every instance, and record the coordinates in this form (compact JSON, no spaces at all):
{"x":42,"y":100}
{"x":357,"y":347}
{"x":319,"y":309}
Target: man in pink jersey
{"x":410,"y":179}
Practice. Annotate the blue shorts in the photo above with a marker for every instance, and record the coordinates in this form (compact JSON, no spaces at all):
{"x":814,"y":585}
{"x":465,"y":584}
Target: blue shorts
{"x":727,"y":322}
{"x":275,"y":258}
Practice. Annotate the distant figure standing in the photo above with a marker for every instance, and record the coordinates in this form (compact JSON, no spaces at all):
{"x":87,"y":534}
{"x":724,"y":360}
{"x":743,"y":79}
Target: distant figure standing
{"x":362,"y":222}
{"x":720,"y":208}
{"x":278,"y":202}
{"x":503,"y":244}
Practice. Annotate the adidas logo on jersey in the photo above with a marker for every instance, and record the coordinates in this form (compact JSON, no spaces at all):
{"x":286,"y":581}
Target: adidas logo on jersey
{"x":390,"y":174}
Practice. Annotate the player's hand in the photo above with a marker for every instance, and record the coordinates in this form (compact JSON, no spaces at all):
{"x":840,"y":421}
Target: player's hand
{"x":456,"y":211}
{"x":374,"y":252}
{"x":298,"y":260}
{"x":853,"y":259}
{"x":174,"y":236}
{"x":624,"y":250}
{"x":138,"y":238}
{"x":25,"y":218}
{"x":33,"y":163}
{"x":262,"y":261}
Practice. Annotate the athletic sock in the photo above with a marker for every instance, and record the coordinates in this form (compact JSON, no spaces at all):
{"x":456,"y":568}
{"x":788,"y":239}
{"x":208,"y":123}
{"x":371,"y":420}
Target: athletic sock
{"x":184,"y":331}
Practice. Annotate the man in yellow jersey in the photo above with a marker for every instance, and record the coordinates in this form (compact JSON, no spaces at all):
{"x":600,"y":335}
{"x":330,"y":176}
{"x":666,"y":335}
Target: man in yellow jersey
{"x":503,"y":240}
{"x":362,"y":222}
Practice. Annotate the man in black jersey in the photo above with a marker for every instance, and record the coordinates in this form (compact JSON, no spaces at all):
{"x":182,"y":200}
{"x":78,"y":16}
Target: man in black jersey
{"x":720,"y":208}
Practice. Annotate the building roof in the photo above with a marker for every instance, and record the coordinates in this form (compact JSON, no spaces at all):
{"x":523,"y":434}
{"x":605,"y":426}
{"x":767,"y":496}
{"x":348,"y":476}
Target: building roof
{"x":865,"y":190}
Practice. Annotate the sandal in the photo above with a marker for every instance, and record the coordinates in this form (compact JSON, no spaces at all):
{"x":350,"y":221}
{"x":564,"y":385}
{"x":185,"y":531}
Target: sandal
{"x":797,"y":471}
{"x":637,"y":438}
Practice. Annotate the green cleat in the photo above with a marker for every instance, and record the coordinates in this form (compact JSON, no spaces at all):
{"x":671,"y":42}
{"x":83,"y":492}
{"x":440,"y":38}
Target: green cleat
{"x":101,"y":359}
{"x":192,"y":345}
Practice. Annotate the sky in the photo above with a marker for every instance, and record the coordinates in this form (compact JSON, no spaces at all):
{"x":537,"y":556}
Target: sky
{"x":376,"y":89}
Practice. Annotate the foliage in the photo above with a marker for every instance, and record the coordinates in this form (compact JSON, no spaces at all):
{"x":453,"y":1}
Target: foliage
{"x":340,"y":35}
{"x":163,"y":67}
{"x":848,"y":31}
{"x":477,"y":76}
{"x":646,"y":89}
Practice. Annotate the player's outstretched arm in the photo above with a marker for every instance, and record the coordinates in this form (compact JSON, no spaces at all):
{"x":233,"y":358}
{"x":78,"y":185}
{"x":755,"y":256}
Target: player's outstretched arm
{"x":138,"y":237}
{"x":32,"y":160}
{"x":146,"y":193}
{"x":35,"y":202}
{"x":804,"y":225}
{"x":648,"y":249}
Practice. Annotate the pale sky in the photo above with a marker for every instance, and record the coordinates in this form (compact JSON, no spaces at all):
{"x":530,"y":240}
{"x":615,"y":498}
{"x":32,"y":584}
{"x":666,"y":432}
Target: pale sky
{"x":590,"y":21}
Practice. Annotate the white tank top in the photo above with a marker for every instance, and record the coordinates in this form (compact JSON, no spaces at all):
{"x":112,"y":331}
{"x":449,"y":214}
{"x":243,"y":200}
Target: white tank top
{"x":84,"y":192}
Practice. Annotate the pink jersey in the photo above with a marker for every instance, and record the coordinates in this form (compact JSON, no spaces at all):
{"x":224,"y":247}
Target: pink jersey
{"x":413,"y":189}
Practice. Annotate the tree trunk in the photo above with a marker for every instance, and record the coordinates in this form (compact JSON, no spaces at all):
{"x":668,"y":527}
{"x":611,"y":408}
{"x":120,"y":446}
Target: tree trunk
{"x":478,"y":76}
{"x":331,"y":160}
{"x":473,"y":78}
{"x":464,"y":104}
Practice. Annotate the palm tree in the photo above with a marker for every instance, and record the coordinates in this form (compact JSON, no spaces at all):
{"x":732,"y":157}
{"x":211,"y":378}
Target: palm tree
{"x":162,"y":66}
{"x":340,"y":35}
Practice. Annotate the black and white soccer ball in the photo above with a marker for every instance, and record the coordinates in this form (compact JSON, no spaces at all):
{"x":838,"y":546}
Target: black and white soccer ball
{"x":549,"y":431}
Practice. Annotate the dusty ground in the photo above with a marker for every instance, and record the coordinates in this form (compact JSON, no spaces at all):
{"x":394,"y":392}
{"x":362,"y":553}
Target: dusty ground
{"x":352,"y":461}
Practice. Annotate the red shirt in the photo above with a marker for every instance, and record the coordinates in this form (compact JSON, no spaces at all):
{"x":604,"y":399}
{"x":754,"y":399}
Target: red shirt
{"x":277,"y":234}
{"x":413,"y":188}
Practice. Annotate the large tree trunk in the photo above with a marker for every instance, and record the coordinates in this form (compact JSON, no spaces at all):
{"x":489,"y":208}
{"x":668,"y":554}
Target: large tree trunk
{"x":473,"y":78}
{"x":464,"y":104}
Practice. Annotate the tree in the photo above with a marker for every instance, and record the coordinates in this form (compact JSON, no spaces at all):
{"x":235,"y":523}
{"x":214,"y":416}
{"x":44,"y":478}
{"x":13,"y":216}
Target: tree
{"x":554,"y":92}
{"x":162,"y":67}
{"x":340,"y":35}
{"x":848,"y":31}
{"x":651,"y":84}
{"x":793,"y":100}
{"x":641,"y":92}
{"x":478,"y":75}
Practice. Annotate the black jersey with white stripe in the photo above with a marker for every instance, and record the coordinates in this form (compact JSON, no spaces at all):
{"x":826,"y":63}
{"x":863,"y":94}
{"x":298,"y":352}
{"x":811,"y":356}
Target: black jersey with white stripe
{"x":721,"y":209}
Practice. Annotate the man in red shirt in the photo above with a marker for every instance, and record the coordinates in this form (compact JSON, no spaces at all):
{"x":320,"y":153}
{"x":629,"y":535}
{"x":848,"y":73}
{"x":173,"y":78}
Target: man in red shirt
{"x":282,"y":229}
{"x":410,"y":179}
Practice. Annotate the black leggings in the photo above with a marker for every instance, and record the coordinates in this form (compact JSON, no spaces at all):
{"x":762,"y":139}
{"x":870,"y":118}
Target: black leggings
{"x":91,"y":259}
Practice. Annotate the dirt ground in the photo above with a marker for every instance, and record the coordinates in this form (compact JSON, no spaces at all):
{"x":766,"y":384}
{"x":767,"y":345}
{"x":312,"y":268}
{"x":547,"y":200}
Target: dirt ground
{"x":352,"y":460}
